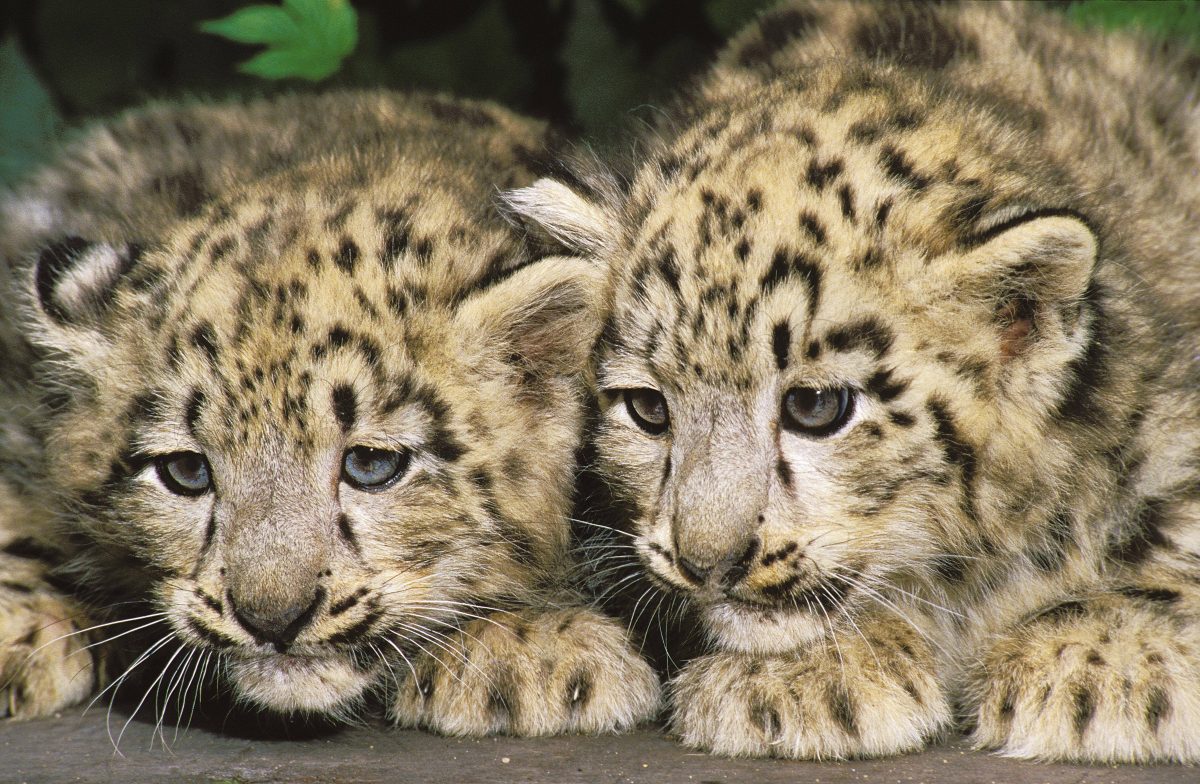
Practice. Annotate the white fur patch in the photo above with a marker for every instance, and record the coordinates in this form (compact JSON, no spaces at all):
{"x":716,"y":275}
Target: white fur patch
{"x":94,"y":271}
{"x":566,"y":216}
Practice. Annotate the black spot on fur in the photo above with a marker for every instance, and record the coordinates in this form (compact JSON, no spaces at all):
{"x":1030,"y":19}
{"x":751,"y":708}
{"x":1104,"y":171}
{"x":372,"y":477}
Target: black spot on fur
{"x":846,"y":201}
{"x":205,"y":339}
{"x":781,"y":341}
{"x":347,"y":532}
{"x":1059,"y":611}
{"x":345,"y":406}
{"x":1085,"y":709}
{"x":897,"y":166}
{"x":211,"y":637}
{"x":1087,"y":374}
{"x":787,"y":264}
{"x":882,"y":212}
{"x":1144,"y":536}
{"x":865,"y":334}
{"x":819,"y":175}
{"x":956,"y":450}
{"x":884,"y":387}
{"x":502,"y":698}
{"x":776,"y":30}
{"x":901,"y":419}
{"x":344,"y":604}
{"x":579,"y":691}
{"x":913,"y":35}
{"x":1159,"y":595}
{"x":842,"y":709}
{"x":192,"y":410}
{"x":1158,"y":706}
{"x":358,"y":630}
{"x":210,"y":532}
{"x":346,"y":257}
{"x":812,"y":227}
{"x":1052,"y":552}
{"x":949,"y":568}
{"x":742,"y":250}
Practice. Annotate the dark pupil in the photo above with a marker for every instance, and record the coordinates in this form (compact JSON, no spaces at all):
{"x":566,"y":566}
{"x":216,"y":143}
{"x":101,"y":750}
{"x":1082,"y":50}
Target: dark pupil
{"x":368,"y":467}
{"x":813,"y":407}
{"x":650,"y":407}
{"x":187,"y":472}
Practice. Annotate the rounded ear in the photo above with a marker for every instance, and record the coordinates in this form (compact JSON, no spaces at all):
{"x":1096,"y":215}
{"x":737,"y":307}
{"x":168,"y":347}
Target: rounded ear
{"x":544,"y":317}
{"x":1028,"y":268}
{"x":557,"y":214}
{"x":75,"y":279}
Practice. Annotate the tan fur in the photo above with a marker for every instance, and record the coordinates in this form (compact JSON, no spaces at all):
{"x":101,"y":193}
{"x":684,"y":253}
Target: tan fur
{"x":981,"y":222}
{"x":270,"y":285}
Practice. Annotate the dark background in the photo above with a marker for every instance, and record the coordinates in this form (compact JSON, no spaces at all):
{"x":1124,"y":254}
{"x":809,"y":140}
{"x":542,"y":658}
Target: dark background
{"x":592,"y":66}
{"x":584,"y":64}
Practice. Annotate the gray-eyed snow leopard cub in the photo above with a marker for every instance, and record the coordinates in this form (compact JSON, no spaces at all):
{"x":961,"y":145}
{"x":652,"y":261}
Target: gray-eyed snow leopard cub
{"x":287,"y":407}
{"x":899,"y":388}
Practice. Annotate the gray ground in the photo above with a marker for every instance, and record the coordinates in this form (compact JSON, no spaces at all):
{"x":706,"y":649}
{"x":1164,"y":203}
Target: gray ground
{"x":77,"y":748}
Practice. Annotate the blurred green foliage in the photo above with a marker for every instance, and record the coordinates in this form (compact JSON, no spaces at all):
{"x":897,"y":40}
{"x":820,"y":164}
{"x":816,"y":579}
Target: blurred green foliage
{"x":1178,"y":18}
{"x":584,"y":64}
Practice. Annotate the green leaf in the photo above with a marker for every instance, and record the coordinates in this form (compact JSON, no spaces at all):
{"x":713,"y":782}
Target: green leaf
{"x":29,"y":121}
{"x":1178,"y":18}
{"x":306,"y":39}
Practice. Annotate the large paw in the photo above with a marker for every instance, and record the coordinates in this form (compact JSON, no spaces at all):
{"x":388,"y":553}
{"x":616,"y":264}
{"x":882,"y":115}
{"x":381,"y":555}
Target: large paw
{"x":43,"y":664}
{"x":529,"y":673}
{"x":1113,"y":679}
{"x":851,"y":700}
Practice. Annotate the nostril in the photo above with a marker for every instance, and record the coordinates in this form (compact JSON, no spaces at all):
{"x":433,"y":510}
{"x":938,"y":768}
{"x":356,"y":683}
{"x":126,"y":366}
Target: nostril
{"x":739,"y":566}
{"x":694,"y":573}
{"x":279,"y":626}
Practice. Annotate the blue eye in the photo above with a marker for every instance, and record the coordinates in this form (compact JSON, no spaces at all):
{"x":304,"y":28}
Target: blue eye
{"x":373,"y":469}
{"x":648,"y":409}
{"x":184,"y":473}
{"x":817,"y":412}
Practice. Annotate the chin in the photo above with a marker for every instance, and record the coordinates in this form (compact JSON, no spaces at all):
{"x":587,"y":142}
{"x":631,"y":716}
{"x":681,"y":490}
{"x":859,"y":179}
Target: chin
{"x":299,"y":684}
{"x":735,"y":626}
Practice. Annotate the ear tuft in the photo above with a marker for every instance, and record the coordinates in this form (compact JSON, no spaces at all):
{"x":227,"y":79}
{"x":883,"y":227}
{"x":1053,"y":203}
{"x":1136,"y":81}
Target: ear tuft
{"x":1029,"y":263}
{"x":544,"y":317}
{"x":580,"y":225}
{"x":75,"y":278}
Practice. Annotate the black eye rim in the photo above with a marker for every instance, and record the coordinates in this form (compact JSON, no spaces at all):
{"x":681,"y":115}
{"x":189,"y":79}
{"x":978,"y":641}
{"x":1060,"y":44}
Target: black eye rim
{"x":653,"y":428}
{"x":404,"y":460}
{"x":162,"y":467}
{"x":846,"y":400}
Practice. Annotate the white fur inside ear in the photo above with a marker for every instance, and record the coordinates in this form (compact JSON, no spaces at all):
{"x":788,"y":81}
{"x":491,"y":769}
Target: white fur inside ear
{"x":580,"y":225}
{"x":94,"y":271}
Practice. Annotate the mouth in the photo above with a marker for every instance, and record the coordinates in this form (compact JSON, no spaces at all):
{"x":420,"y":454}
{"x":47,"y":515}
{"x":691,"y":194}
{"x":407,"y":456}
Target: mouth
{"x":292,"y":683}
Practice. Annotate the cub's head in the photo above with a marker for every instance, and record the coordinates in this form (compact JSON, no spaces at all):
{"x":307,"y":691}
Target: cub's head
{"x":840,"y":335}
{"x":304,"y":433}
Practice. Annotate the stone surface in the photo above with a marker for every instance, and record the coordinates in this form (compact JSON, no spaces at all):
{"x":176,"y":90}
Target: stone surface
{"x":76,"y":748}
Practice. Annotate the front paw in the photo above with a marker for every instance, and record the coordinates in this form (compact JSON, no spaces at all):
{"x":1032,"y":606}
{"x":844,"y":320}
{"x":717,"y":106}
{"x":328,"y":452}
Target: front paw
{"x":43,"y":664}
{"x":1111,"y":679}
{"x":529,"y":673}
{"x":810,"y":704}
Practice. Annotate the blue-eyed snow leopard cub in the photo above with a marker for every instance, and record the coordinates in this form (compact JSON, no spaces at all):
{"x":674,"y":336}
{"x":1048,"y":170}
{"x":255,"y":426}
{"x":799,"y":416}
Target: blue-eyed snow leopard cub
{"x":288,"y":411}
{"x":899,"y":389}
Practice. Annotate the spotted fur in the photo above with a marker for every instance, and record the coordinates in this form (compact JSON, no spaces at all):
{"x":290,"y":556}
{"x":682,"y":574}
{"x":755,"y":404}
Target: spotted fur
{"x":272,"y":285}
{"x":981,"y":223}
